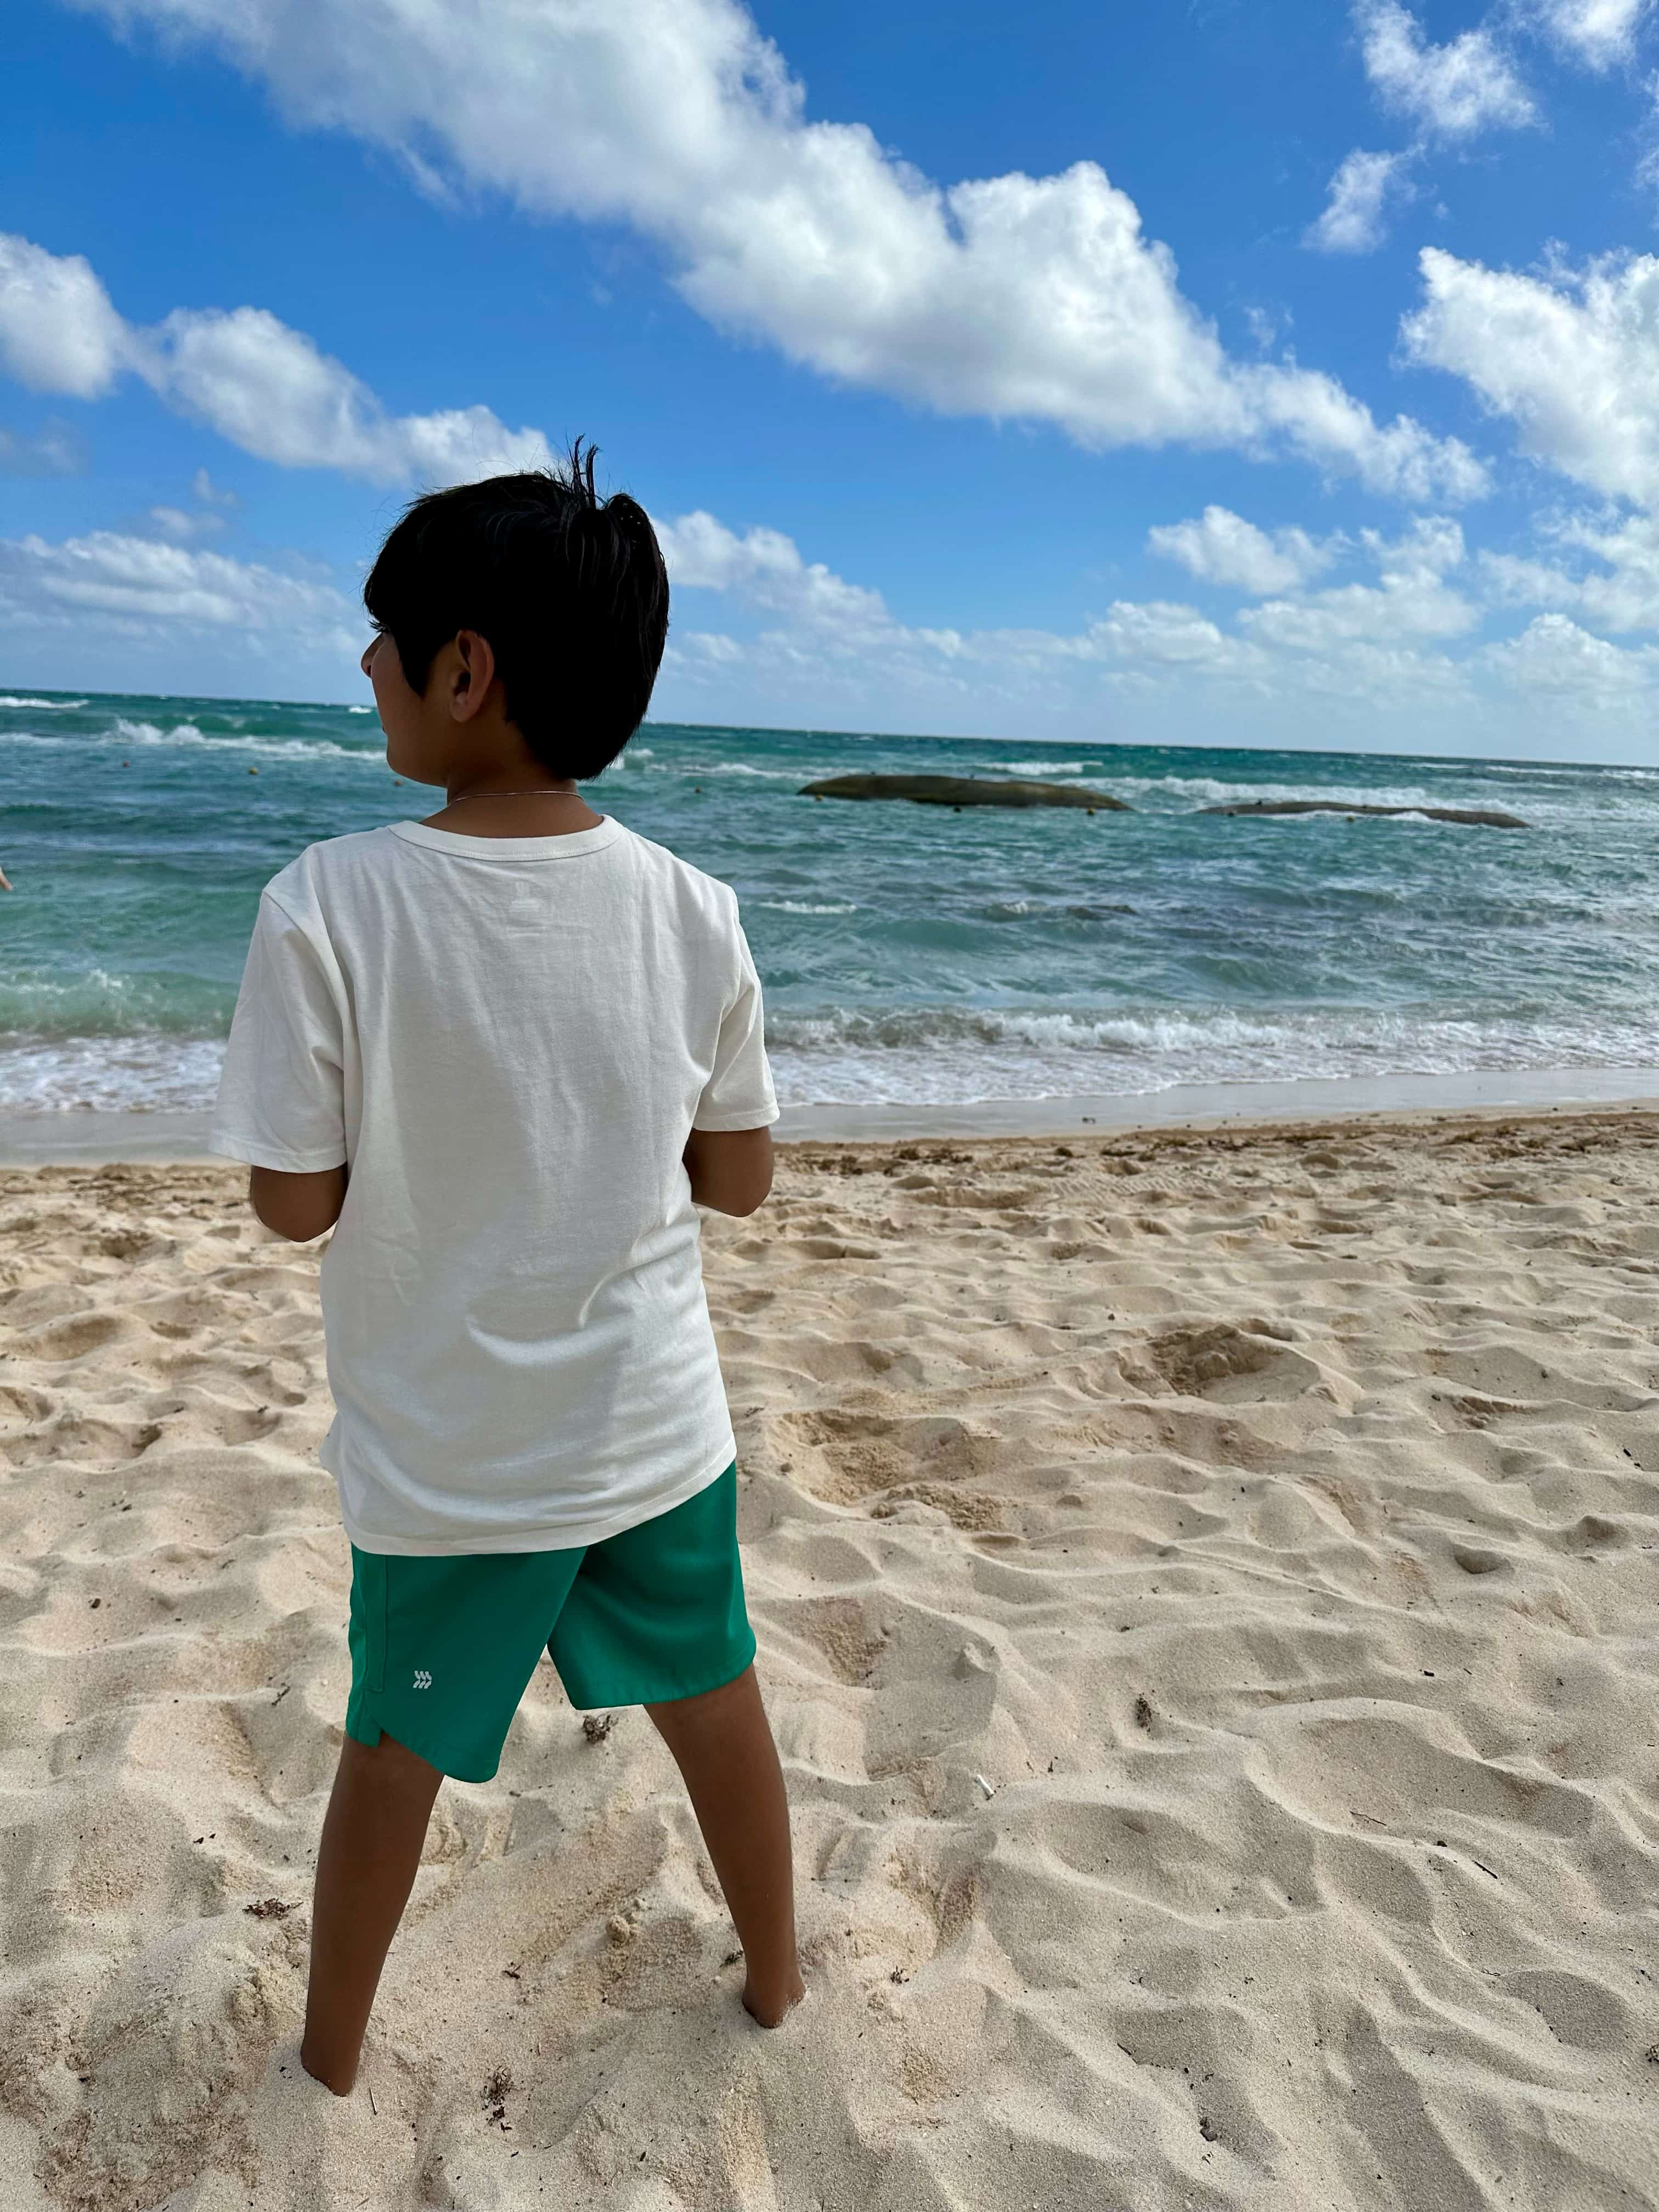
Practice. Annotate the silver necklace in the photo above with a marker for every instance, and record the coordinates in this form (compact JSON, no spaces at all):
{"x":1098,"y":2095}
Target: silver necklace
{"x":536,"y":791}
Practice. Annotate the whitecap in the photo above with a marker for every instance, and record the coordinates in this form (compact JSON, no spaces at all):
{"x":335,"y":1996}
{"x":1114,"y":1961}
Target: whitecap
{"x":933,"y":1055}
{"x":146,"y":1071}
{"x":801,"y":906}
{"x":743,"y":768}
{"x":1044,"y":767}
{"x":185,"y":734}
{"x":1196,"y":791}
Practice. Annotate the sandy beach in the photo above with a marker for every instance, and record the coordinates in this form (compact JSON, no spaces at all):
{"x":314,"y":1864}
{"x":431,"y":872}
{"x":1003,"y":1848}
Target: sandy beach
{"x":1204,"y":1585}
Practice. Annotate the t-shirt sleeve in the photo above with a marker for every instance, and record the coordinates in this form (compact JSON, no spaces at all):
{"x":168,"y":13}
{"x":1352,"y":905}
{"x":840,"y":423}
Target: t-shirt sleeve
{"x":738,"y":1094}
{"x":281,"y":1096}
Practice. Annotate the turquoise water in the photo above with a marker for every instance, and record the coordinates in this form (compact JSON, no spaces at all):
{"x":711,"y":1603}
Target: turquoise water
{"x":908,"y":953}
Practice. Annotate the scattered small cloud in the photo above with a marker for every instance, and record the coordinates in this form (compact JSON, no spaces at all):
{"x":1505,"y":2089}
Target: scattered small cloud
{"x":1599,"y":34}
{"x":147,"y":587}
{"x":1605,"y":571}
{"x":1265,"y":325}
{"x":1362,"y":193}
{"x":713,"y":647}
{"x":1411,"y":599}
{"x":211,"y":495}
{"x":1403,"y":640}
{"x":767,"y":567}
{"x":1448,"y":92}
{"x":180,"y":524}
{"x":56,"y":449}
{"x":1388,"y":634}
{"x":1222,"y":547}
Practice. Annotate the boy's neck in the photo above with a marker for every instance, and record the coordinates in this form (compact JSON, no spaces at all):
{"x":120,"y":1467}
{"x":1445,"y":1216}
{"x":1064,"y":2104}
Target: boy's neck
{"x":502,"y":805}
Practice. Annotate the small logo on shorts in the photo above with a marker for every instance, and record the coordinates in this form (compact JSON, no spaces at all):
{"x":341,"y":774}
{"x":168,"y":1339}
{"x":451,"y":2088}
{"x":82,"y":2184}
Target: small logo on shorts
{"x":422,"y":1680}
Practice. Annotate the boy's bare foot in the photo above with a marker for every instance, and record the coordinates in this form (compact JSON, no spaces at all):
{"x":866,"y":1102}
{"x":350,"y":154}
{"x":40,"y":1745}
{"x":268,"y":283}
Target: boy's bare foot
{"x":771,"y":2011}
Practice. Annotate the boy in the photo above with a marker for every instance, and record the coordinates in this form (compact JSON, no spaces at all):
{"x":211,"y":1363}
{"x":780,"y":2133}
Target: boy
{"x":509,"y":1050}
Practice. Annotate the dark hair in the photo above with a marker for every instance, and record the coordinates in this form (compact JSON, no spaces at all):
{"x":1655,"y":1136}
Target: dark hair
{"x":569,"y":589}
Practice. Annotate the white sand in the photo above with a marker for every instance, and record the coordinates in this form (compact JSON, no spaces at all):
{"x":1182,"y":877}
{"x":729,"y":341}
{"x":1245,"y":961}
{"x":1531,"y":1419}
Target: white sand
{"x":1267,"y":1520}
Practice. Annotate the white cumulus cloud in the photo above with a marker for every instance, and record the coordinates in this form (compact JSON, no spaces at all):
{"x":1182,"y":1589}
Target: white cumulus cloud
{"x":1597,"y":31}
{"x":1568,"y":357}
{"x":1162,"y":634}
{"x":1452,"y":91}
{"x":1621,"y":592}
{"x":141,"y":584}
{"x":1411,"y":598}
{"x":57,"y":330}
{"x":766,"y":566}
{"x":1355,"y":217}
{"x":271,"y":390}
{"x":1221,"y":547}
{"x":1037,"y":298}
{"x":262,"y":386}
{"x":1553,"y":654}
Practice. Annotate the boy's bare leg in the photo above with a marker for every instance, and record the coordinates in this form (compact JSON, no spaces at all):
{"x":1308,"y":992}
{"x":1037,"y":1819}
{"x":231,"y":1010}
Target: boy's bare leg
{"x":724,"y":1749}
{"x":373,"y":1833}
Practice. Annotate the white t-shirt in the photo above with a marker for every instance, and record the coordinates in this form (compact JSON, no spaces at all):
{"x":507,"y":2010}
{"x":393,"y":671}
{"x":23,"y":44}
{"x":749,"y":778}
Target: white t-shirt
{"x":509,"y":1039}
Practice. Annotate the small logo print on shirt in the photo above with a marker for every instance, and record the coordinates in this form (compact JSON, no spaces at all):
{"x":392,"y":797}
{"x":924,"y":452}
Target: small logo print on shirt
{"x":422,"y":1680}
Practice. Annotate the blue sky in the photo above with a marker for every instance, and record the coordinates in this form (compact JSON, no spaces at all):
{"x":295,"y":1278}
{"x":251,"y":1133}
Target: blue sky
{"x":1265,"y":373}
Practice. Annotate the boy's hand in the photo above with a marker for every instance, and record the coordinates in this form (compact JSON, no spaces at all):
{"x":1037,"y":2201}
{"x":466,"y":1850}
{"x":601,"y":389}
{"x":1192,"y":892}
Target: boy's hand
{"x":731,"y":1169}
{"x":297,"y":1207}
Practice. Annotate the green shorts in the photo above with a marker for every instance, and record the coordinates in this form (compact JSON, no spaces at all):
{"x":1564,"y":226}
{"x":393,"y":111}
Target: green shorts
{"x":442,"y":1650}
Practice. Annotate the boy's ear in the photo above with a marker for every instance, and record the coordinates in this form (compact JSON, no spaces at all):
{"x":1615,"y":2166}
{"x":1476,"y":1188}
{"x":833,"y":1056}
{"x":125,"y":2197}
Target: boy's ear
{"x":475,"y":672}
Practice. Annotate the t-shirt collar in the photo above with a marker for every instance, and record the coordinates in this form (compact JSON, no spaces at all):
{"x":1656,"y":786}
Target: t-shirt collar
{"x":569,"y":847}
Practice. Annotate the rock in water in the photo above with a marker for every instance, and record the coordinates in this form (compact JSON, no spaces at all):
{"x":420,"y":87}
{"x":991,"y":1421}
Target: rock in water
{"x":1480,"y":817}
{"x":964,"y":791}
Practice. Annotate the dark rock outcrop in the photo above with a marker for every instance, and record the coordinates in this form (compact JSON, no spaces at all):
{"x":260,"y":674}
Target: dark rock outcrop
{"x":1480,"y":817}
{"x":964,"y":791}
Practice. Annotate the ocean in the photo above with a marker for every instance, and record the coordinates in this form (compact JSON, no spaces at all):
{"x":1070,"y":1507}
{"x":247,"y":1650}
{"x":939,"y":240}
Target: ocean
{"x":910,"y":954}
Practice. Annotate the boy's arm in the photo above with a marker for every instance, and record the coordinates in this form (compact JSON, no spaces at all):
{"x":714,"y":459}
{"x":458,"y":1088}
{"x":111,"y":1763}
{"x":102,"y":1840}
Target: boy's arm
{"x":731,"y":1169}
{"x":297,"y":1207}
